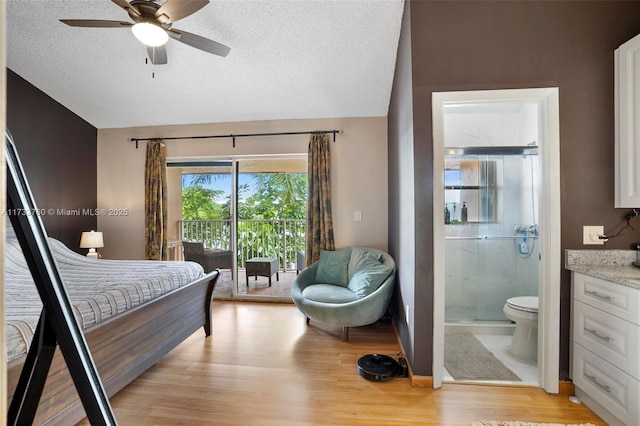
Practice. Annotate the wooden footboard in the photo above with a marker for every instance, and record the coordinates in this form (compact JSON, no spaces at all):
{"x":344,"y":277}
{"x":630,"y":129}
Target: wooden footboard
{"x":124,"y":347}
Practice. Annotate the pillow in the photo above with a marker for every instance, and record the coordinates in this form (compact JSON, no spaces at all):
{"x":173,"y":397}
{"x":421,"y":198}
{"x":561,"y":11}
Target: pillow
{"x":332,"y":267}
{"x":358,"y":256}
{"x":369,"y":276}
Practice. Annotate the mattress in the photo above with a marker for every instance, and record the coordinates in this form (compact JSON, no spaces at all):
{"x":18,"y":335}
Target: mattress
{"x":98,"y":288}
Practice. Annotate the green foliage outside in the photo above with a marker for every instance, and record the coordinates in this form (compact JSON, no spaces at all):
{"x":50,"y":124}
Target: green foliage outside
{"x":198,"y":203}
{"x":277,"y":196}
{"x":268,"y":220}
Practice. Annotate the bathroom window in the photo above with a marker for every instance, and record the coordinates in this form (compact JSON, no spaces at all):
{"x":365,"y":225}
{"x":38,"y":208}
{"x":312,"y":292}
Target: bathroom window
{"x":471,"y":183}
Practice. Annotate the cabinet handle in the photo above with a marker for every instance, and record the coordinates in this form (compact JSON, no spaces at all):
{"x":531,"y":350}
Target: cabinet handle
{"x":600,"y":385}
{"x":598,"y":296}
{"x":599,"y":336}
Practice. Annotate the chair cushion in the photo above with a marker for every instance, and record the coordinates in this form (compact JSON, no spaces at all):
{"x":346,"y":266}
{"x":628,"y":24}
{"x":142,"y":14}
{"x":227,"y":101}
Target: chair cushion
{"x":358,"y":258}
{"x":329,"y":293}
{"x":369,"y":276}
{"x":332,"y":267}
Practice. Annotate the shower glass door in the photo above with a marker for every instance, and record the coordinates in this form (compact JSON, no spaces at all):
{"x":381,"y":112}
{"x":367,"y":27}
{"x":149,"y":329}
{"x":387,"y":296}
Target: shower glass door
{"x":490,"y":230}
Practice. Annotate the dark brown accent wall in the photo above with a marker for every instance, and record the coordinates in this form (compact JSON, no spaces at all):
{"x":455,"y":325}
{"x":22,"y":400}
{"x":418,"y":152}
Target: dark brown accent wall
{"x":503,"y":45}
{"x":58,"y":151}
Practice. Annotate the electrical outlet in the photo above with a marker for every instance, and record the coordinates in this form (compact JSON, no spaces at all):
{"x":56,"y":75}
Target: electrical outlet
{"x":591,"y":235}
{"x":357,"y":216}
{"x":406,"y":313}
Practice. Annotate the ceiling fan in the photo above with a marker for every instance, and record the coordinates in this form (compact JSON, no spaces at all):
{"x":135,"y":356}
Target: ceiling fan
{"x":152,"y":26}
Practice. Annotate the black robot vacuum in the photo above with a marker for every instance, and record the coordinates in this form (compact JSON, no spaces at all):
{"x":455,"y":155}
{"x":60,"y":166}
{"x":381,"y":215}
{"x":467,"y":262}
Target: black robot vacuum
{"x":378,"y":367}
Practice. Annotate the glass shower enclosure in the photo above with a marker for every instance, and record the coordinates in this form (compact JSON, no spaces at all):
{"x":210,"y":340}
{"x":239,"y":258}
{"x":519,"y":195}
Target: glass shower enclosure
{"x":491,"y":231}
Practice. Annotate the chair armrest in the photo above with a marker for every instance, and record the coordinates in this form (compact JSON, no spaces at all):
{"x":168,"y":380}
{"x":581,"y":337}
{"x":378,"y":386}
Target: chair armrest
{"x":306,"y":278}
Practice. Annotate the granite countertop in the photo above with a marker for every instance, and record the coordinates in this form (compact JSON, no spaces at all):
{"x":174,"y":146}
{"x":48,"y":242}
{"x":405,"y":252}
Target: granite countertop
{"x":611,"y":265}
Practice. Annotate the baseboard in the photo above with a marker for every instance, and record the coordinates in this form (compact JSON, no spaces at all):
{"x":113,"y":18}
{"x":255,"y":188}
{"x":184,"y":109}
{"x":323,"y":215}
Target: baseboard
{"x":415,"y":380}
{"x":566,"y":388}
{"x":421,"y":381}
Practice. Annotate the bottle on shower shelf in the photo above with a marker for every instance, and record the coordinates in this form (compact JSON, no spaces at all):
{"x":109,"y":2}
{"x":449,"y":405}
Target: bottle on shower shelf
{"x":454,"y":221}
{"x":447,"y":214}
{"x":464,"y":213}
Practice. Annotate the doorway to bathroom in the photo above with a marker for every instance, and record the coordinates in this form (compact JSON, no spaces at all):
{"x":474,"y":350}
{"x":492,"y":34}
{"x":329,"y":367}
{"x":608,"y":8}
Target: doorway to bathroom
{"x":495,"y":247}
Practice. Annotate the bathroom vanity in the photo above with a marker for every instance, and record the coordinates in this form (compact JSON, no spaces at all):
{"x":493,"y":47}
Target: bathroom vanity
{"x":605,"y":332}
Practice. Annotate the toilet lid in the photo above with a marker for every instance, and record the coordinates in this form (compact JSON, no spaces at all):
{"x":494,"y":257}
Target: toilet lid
{"x":524,"y":303}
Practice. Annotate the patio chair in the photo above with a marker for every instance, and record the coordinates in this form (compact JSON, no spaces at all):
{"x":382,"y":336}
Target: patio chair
{"x":210,"y":259}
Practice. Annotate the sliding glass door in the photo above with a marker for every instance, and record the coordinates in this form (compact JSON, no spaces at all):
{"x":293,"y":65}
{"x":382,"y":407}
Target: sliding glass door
{"x":271,"y":217}
{"x":248,"y":217}
{"x":201,"y":211}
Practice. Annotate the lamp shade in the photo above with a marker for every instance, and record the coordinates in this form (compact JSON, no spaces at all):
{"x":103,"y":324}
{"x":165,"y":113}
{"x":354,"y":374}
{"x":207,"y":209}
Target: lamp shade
{"x":91,"y":239}
{"x":150,"y":34}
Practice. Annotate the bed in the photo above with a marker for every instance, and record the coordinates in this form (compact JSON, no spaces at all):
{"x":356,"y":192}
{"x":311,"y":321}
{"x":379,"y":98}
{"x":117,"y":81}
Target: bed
{"x":132,"y":314}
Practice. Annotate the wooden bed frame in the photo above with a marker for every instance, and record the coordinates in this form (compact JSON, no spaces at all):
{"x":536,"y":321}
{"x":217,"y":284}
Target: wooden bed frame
{"x":123,"y":347}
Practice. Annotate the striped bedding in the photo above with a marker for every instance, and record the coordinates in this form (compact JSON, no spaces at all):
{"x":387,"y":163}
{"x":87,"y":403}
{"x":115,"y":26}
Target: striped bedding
{"x":98,"y":288}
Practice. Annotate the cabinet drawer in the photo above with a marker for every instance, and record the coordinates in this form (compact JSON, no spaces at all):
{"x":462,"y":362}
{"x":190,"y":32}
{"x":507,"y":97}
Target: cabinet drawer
{"x":609,"y":337}
{"x":616,"y":391}
{"x":615,"y":299}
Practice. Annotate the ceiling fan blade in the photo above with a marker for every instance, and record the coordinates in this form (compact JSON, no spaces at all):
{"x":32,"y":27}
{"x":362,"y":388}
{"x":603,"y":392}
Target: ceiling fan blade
{"x":131,"y":9}
{"x":157,"y":55}
{"x":95,"y":23}
{"x":174,"y":10}
{"x":199,"y":42}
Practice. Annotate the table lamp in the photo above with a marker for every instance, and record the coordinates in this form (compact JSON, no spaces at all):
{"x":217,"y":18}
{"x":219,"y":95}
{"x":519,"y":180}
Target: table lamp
{"x":91,"y":240}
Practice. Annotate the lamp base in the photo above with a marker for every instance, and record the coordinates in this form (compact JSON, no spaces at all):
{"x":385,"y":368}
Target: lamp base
{"x":92,"y":253}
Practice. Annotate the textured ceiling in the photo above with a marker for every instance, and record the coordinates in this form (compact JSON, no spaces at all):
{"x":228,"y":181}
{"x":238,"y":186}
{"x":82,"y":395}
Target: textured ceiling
{"x":289,"y":59}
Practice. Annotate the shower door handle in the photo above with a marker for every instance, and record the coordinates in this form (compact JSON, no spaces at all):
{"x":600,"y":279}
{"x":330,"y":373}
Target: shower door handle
{"x":464,"y":238}
{"x":497,"y":237}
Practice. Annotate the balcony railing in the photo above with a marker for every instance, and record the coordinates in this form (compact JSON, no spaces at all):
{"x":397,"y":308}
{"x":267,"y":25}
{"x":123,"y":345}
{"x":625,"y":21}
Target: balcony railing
{"x":281,"y":238}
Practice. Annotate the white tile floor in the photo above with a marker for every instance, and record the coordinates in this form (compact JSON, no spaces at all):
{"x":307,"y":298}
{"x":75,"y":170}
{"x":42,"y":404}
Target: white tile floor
{"x":527,"y":370}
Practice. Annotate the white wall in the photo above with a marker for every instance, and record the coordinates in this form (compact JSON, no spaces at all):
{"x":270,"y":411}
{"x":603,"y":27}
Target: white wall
{"x":358,"y":161}
{"x":491,"y":124}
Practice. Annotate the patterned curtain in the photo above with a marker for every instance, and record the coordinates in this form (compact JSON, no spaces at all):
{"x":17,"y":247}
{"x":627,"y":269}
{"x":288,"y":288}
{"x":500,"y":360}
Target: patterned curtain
{"x":319,"y":222}
{"x":155,"y":201}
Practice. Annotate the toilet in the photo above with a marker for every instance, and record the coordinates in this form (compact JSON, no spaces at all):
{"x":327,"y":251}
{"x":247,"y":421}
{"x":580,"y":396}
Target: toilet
{"x":524,"y":312}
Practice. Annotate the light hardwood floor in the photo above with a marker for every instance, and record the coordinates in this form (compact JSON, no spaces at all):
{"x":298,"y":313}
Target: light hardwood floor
{"x":264,"y":366}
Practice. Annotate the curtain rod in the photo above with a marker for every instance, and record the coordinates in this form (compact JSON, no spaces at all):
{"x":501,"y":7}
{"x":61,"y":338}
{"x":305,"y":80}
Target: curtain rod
{"x":234,"y":136}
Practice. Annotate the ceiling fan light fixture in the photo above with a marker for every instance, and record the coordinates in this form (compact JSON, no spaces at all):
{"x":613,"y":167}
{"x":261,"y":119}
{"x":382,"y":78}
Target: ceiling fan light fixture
{"x":150,"y":34}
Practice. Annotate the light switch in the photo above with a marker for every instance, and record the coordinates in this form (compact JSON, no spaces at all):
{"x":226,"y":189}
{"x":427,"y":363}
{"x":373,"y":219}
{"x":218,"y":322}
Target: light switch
{"x":357,"y":216}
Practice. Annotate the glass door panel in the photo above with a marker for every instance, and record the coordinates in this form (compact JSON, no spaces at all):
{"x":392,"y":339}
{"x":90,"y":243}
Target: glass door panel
{"x":490,"y":231}
{"x":205,"y":214}
{"x":271,"y":220}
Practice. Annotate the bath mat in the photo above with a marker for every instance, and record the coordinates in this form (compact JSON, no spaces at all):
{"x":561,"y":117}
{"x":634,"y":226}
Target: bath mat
{"x":502,"y":423}
{"x":465,"y":358}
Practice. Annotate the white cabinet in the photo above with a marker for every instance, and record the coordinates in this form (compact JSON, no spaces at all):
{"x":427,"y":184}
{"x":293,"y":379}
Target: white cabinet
{"x":627,"y":122}
{"x":605,"y":363}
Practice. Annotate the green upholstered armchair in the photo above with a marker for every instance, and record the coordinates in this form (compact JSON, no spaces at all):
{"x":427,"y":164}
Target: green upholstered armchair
{"x":349,"y":287}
